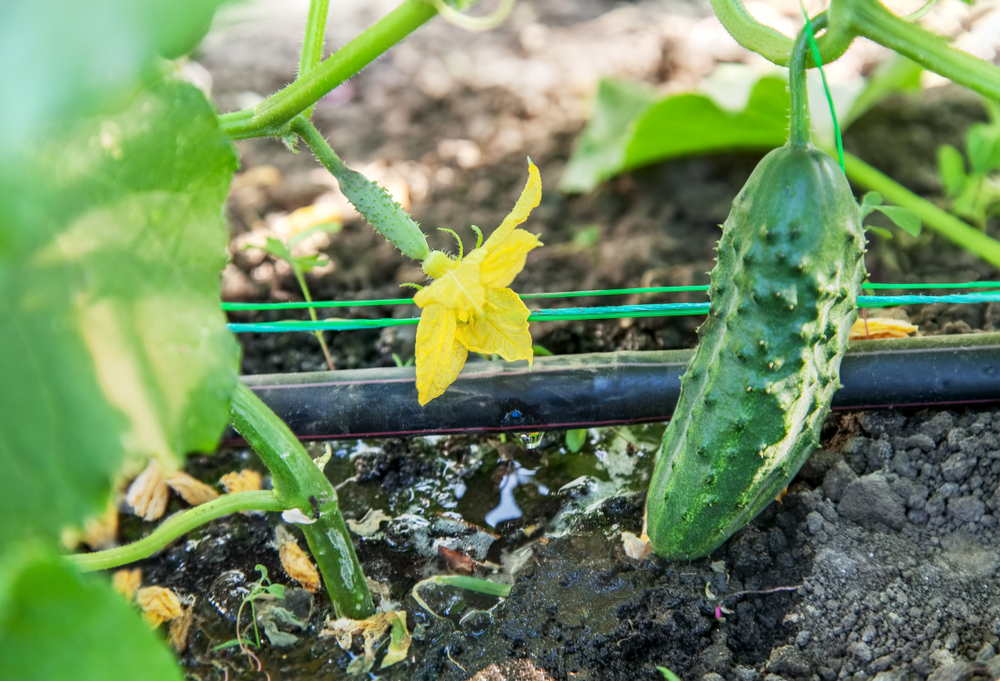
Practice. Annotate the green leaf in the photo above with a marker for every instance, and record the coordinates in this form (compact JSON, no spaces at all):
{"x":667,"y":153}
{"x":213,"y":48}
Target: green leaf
{"x":575,"y":439}
{"x":599,"y":151}
{"x":983,"y":143}
{"x":667,"y":674}
{"x":905,"y":219}
{"x":75,"y":58}
{"x":951,"y":166}
{"x":59,"y":625}
{"x":870,"y":202}
{"x":111,"y":244}
{"x":628,"y":131}
{"x":881,"y":231}
{"x":278,"y":249}
{"x":305,"y":263}
{"x":687,"y":124}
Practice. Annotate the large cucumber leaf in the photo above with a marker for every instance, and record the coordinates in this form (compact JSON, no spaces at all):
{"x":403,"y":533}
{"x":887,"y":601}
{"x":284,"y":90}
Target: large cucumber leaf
{"x":736,"y":109}
{"x":59,"y":625}
{"x":109,"y":289}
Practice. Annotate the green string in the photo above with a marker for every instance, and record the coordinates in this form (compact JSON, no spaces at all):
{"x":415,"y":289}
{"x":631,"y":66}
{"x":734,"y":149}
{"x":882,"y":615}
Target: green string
{"x":244,"y":307}
{"x":814,"y":48}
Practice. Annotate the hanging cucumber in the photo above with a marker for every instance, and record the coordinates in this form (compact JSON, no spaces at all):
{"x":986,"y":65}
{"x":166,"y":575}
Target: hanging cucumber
{"x":783,"y":297}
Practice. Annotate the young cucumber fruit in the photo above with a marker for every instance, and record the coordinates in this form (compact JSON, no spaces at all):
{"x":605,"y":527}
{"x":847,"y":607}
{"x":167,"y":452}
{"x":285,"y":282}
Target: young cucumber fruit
{"x":783,"y":297}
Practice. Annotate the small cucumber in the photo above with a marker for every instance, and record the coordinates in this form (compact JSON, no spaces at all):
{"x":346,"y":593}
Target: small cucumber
{"x":753,"y":399}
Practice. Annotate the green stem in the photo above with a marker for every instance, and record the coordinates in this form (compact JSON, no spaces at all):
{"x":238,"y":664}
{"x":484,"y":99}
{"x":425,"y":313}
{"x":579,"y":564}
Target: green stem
{"x":312,"y":41}
{"x":933,"y":217}
{"x":176,"y":526}
{"x":270,"y":116}
{"x":799,"y":130}
{"x":312,"y":53}
{"x":372,"y":201}
{"x":771,"y":44}
{"x":300,"y":277}
{"x":870,"y":19}
{"x":298,"y":482}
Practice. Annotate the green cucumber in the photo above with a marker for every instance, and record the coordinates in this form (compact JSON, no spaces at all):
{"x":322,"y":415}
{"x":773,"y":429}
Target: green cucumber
{"x":753,"y":399}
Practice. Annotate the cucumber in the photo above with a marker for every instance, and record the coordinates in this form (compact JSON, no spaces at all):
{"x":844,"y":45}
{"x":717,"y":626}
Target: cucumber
{"x":753,"y":399}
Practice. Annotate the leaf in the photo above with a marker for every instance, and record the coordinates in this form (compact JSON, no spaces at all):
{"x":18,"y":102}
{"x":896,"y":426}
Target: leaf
{"x":869,"y":202}
{"x":601,"y":146}
{"x":881,"y":231}
{"x":951,"y":166}
{"x":905,"y":219}
{"x":575,"y":439}
{"x":77,"y":59}
{"x":278,"y":249}
{"x":305,"y":263}
{"x":111,"y":244}
{"x":399,"y":639}
{"x":692,"y":123}
{"x":59,"y":625}
{"x":629,"y":130}
{"x":667,"y":674}
{"x":983,"y":143}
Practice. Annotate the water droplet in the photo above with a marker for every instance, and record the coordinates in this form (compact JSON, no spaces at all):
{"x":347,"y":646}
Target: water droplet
{"x":531,"y":440}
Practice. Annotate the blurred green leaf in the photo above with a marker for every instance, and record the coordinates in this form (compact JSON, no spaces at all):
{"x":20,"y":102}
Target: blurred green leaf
{"x":599,"y":152}
{"x":881,"y":231}
{"x":905,"y":219}
{"x":59,"y":625}
{"x":278,"y":249}
{"x":305,"y":263}
{"x":111,"y":244}
{"x":575,"y":439}
{"x":951,"y":166}
{"x":869,"y":202}
{"x":692,"y":123}
{"x":983,"y":143}
{"x":67,"y":58}
{"x":628,"y":131}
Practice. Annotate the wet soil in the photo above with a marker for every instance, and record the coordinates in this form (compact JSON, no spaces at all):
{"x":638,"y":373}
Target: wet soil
{"x":877,"y":563}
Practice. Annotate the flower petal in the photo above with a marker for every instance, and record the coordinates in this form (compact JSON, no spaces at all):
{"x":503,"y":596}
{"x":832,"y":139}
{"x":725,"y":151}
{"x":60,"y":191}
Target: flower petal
{"x":506,"y":261}
{"x":530,"y":198}
{"x":503,"y":328}
{"x":439,"y":355}
{"x":460,"y":289}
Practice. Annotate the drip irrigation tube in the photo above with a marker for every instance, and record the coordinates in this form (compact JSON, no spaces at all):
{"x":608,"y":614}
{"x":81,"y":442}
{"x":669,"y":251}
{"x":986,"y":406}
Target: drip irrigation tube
{"x":592,"y":390}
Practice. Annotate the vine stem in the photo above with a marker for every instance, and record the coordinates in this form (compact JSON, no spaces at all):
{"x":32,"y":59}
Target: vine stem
{"x":312,"y":54}
{"x":771,"y":44}
{"x":870,"y":19}
{"x":176,"y":526}
{"x":799,"y":129}
{"x":945,"y":223}
{"x":299,"y":483}
{"x":270,"y":116}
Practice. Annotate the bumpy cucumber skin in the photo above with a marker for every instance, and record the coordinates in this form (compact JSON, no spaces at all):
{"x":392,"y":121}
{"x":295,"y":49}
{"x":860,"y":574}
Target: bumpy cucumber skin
{"x":783,"y":297}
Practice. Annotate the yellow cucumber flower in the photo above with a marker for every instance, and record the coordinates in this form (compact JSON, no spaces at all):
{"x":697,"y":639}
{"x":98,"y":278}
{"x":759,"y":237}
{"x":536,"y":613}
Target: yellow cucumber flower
{"x":468,"y":307}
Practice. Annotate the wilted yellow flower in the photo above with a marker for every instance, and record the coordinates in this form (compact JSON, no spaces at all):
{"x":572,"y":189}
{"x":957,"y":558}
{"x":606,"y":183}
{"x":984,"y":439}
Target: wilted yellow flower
{"x":468,"y":307}
{"x":881,"y":327}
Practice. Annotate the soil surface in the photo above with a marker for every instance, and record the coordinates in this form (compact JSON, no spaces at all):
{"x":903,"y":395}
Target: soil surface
{"x":877,"y":563}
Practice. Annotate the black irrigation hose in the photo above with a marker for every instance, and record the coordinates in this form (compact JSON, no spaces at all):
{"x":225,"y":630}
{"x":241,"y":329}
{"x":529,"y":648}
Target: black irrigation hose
{"x":582,"y":391}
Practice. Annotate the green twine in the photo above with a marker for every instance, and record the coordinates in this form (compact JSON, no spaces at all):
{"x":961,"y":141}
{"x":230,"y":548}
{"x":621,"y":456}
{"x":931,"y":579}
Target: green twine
{"x":814,"y":48}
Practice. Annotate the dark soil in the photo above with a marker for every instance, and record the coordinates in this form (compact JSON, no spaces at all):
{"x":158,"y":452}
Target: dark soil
{"x":887,"y":538}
